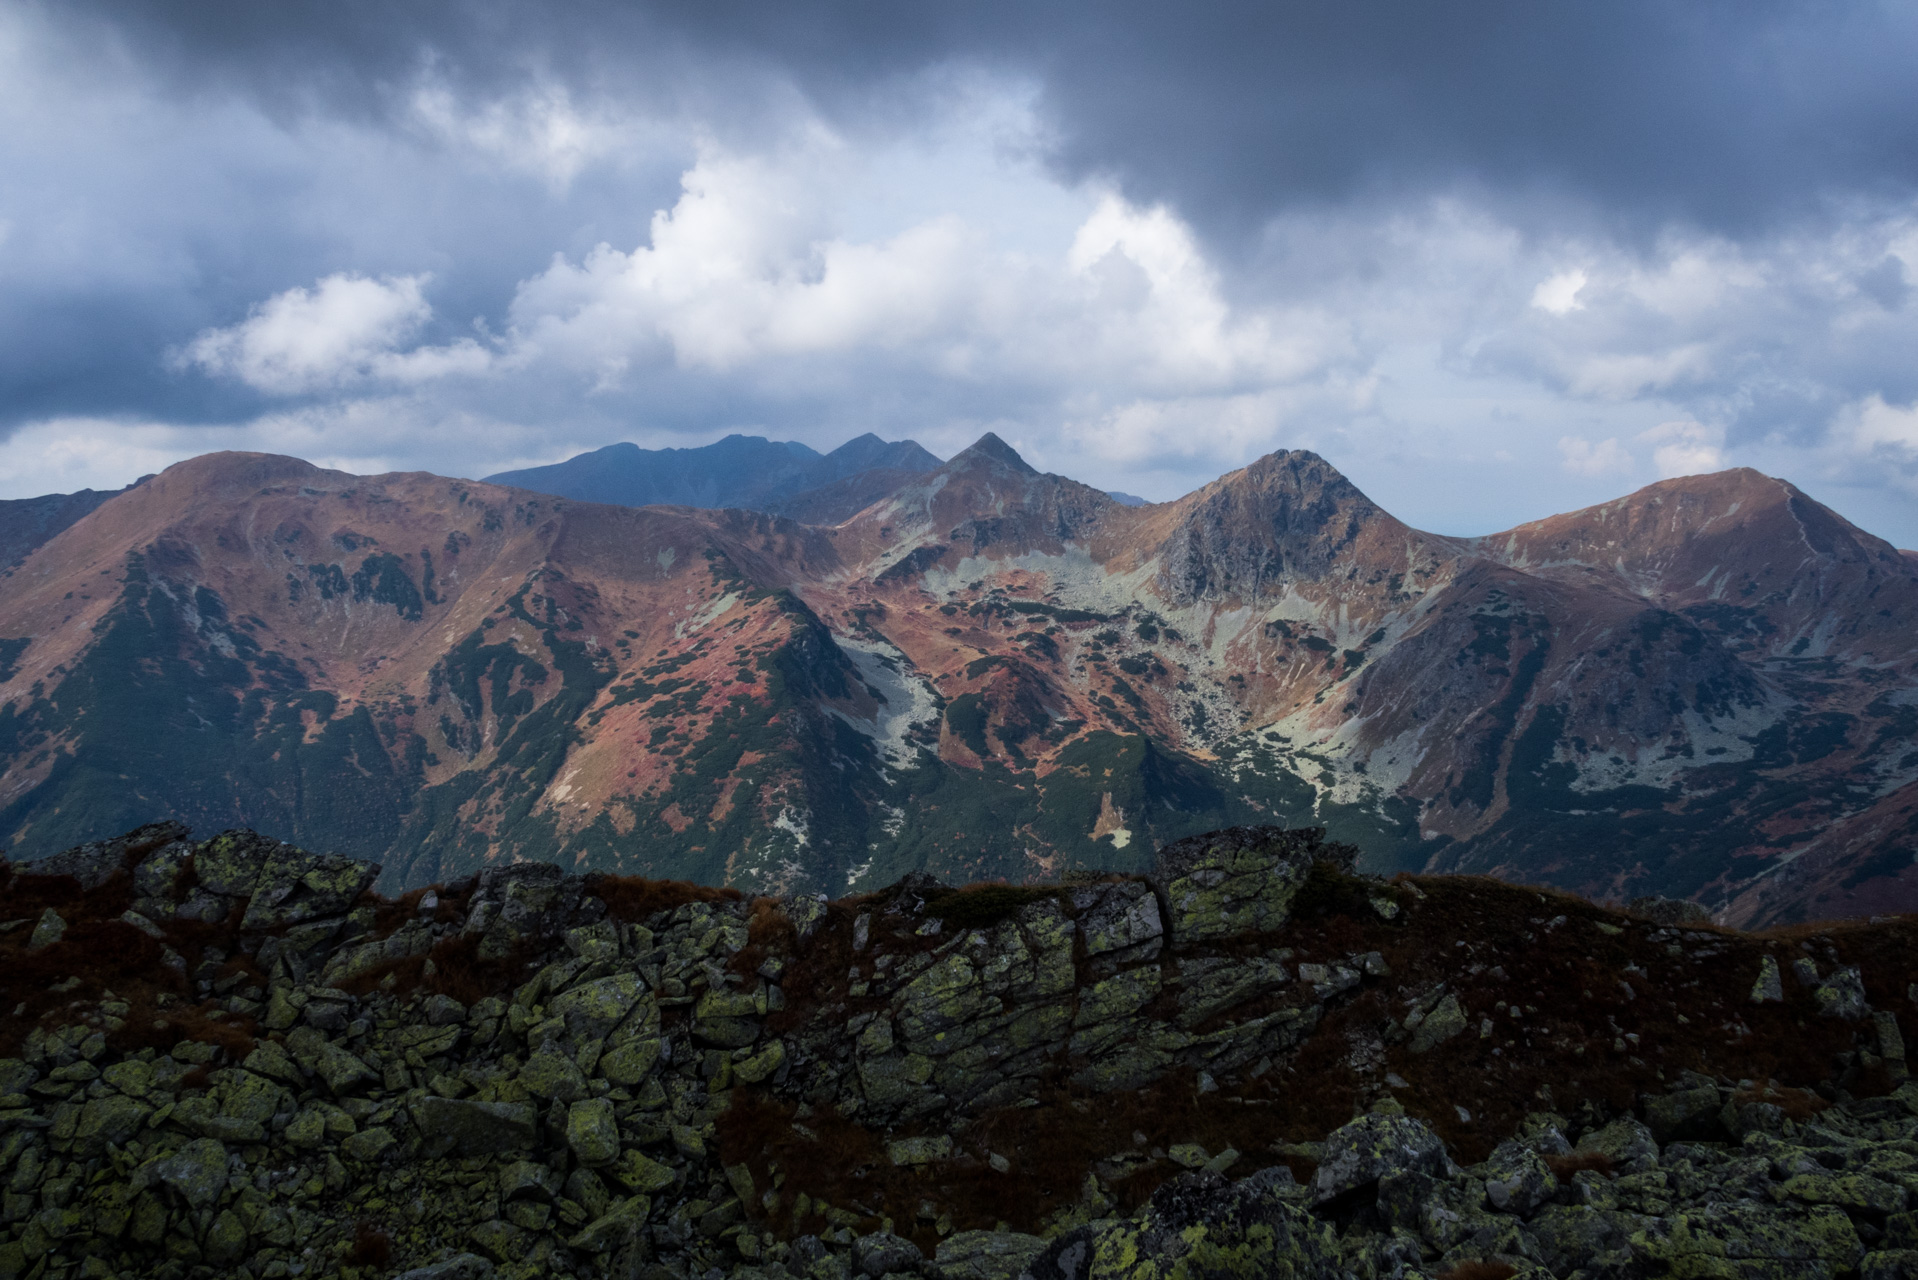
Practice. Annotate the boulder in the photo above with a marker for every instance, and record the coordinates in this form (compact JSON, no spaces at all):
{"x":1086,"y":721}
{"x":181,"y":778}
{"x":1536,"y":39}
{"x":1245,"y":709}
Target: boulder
{"x":618,"y":1224}
{"x":49,"y":929}
{"x":985,"y":1255}
{"x":341,"y":1071}
{"x":93,"y":863}
{"x":198,"y":1171}
{"x":1841,"y":995}
{"x":551,"y":1074}
{"x":1372,"y":1146}
{"x":592,"y":1132}
{"x":1628,"y":1144}
{"x":1446,"y":1020}
{"x":451,"y":1127}
{"x":883,"y":1253}
{"x":1517,"y":1179}
{"x":1240,"y":880}
{"x":1199,"y":1227}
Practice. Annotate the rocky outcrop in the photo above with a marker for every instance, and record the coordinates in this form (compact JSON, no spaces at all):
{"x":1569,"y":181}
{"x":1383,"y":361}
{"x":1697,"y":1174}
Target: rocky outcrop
{"x":535,"y":1073}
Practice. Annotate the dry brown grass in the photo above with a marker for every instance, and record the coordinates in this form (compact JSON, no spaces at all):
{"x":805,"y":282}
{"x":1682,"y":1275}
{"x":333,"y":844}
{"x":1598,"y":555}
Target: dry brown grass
{"x":1575,"y":1162}
{"x":1481,"y":1269}
{"x":634,"y":898}
{"x":768,"y":931}
{"x":1797,"y":1104}
{"x":372,"y":1247}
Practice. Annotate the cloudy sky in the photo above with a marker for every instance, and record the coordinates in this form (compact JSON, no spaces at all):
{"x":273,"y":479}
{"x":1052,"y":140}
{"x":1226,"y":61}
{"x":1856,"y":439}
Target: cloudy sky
{"x":1493,"y":260}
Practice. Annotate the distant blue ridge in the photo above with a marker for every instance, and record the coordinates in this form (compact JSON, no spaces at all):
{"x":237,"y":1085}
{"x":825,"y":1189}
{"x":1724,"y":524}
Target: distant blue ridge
{"x":738,"y":471}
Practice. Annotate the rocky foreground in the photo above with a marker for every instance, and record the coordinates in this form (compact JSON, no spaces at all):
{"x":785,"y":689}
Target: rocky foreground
{"x":228,"y":1057}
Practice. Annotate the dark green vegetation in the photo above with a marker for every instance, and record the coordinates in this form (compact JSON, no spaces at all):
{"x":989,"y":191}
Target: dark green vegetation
{"x":176,"y":708}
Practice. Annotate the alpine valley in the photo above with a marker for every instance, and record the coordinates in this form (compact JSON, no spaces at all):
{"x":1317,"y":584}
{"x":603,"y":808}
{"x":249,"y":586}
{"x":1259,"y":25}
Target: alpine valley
{"x":1707,"y":689}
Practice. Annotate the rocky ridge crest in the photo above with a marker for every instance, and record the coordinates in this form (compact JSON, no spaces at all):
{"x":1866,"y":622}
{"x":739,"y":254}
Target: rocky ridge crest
{"x":229,"y":1057}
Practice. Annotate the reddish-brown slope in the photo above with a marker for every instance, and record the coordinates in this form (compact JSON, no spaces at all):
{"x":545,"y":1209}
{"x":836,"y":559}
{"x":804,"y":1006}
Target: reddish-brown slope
{"x":1749,"y":555}
{"x":1683,"y":690}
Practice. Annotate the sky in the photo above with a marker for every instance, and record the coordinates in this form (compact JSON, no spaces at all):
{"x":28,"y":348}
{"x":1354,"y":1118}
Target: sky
{"x":1492,"y":260}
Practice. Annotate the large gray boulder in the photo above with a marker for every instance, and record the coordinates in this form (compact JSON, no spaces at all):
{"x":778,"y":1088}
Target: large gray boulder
{"x":451,"y":1127}
{"x":1239,"y":880}
{"x":1372,"y":1146}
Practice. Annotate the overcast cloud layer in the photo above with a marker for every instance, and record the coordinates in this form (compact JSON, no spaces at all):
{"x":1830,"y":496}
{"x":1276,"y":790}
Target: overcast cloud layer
{"x":1492,"y":260}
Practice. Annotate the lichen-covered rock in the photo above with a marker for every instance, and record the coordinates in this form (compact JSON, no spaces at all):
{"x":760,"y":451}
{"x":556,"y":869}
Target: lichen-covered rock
{"x":1447,"y":1019}
{"x":628,"y":1064}
{"x":550,"y":1074}
{"x":226,"y":1239}
{"x":638,"y":1172}
{"x":619,"y":1223}
{"x":1199,"y":1227}
{"x":1517,"y":1180}
{"x":882,"y":1253}
{"x":198,"y":1171}
{"x":593,"y":1009}
{"x":1842,"y":995}
{"x":368,"y":1145}
{"x":592,"y":1132}
{"x":1816,"y":1242}
{"x":916,"y":1151}
{"x":341,"y":1071}
{"x":1628,"y":1144}
{"x":1889,"y":1264}
{"x":599,"y":1112}
{"x":109,"y":1122}
{"x":895,"y":1080}
{"x":1571,"y":1237}
{"x":93,"y":863}
{"x":456,"y":1127}
{"x":1120,"y":921}
{"x":49,"y":929}
{"x":985,"y":1255}
{"x":1241,"y":880}
{"x":1372,"y":1146}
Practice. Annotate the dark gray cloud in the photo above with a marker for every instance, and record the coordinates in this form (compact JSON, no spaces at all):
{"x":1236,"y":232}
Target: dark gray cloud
{"x":1564,"y":246}
{"x":1724,"y":115}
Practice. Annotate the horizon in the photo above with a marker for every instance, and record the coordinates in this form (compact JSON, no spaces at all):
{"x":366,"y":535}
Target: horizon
{"x":1116,"y":492}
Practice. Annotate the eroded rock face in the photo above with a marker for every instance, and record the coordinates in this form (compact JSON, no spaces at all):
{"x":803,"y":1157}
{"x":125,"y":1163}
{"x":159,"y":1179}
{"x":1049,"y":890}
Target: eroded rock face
{"x":1238,"y":881}
{"x":573,"y":1119}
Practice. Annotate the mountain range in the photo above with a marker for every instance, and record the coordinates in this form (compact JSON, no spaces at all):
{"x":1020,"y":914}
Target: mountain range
{"x":1707,"y":689}
{"x":779,"y":477}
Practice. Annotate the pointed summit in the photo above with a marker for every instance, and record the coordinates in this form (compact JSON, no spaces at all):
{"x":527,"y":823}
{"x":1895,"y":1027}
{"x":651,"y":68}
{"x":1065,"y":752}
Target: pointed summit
{"x":990,"y":447}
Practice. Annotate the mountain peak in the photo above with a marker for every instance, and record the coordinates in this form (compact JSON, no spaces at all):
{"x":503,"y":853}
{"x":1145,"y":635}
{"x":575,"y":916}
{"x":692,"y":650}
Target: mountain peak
{"x":990,"y":447}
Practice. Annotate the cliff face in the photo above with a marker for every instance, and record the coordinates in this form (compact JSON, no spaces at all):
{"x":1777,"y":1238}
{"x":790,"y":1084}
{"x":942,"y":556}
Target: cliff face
{"x":229,"y":1056}
{"x":1708,"y":689}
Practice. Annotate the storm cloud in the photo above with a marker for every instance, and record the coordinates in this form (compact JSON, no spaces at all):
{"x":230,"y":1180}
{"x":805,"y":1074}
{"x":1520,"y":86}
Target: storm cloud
{"x":1492,"y":259}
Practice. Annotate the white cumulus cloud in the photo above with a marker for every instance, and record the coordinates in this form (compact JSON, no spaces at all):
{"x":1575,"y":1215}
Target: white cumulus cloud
{"x":345,"y":329}
{"x":1559,"y":293}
